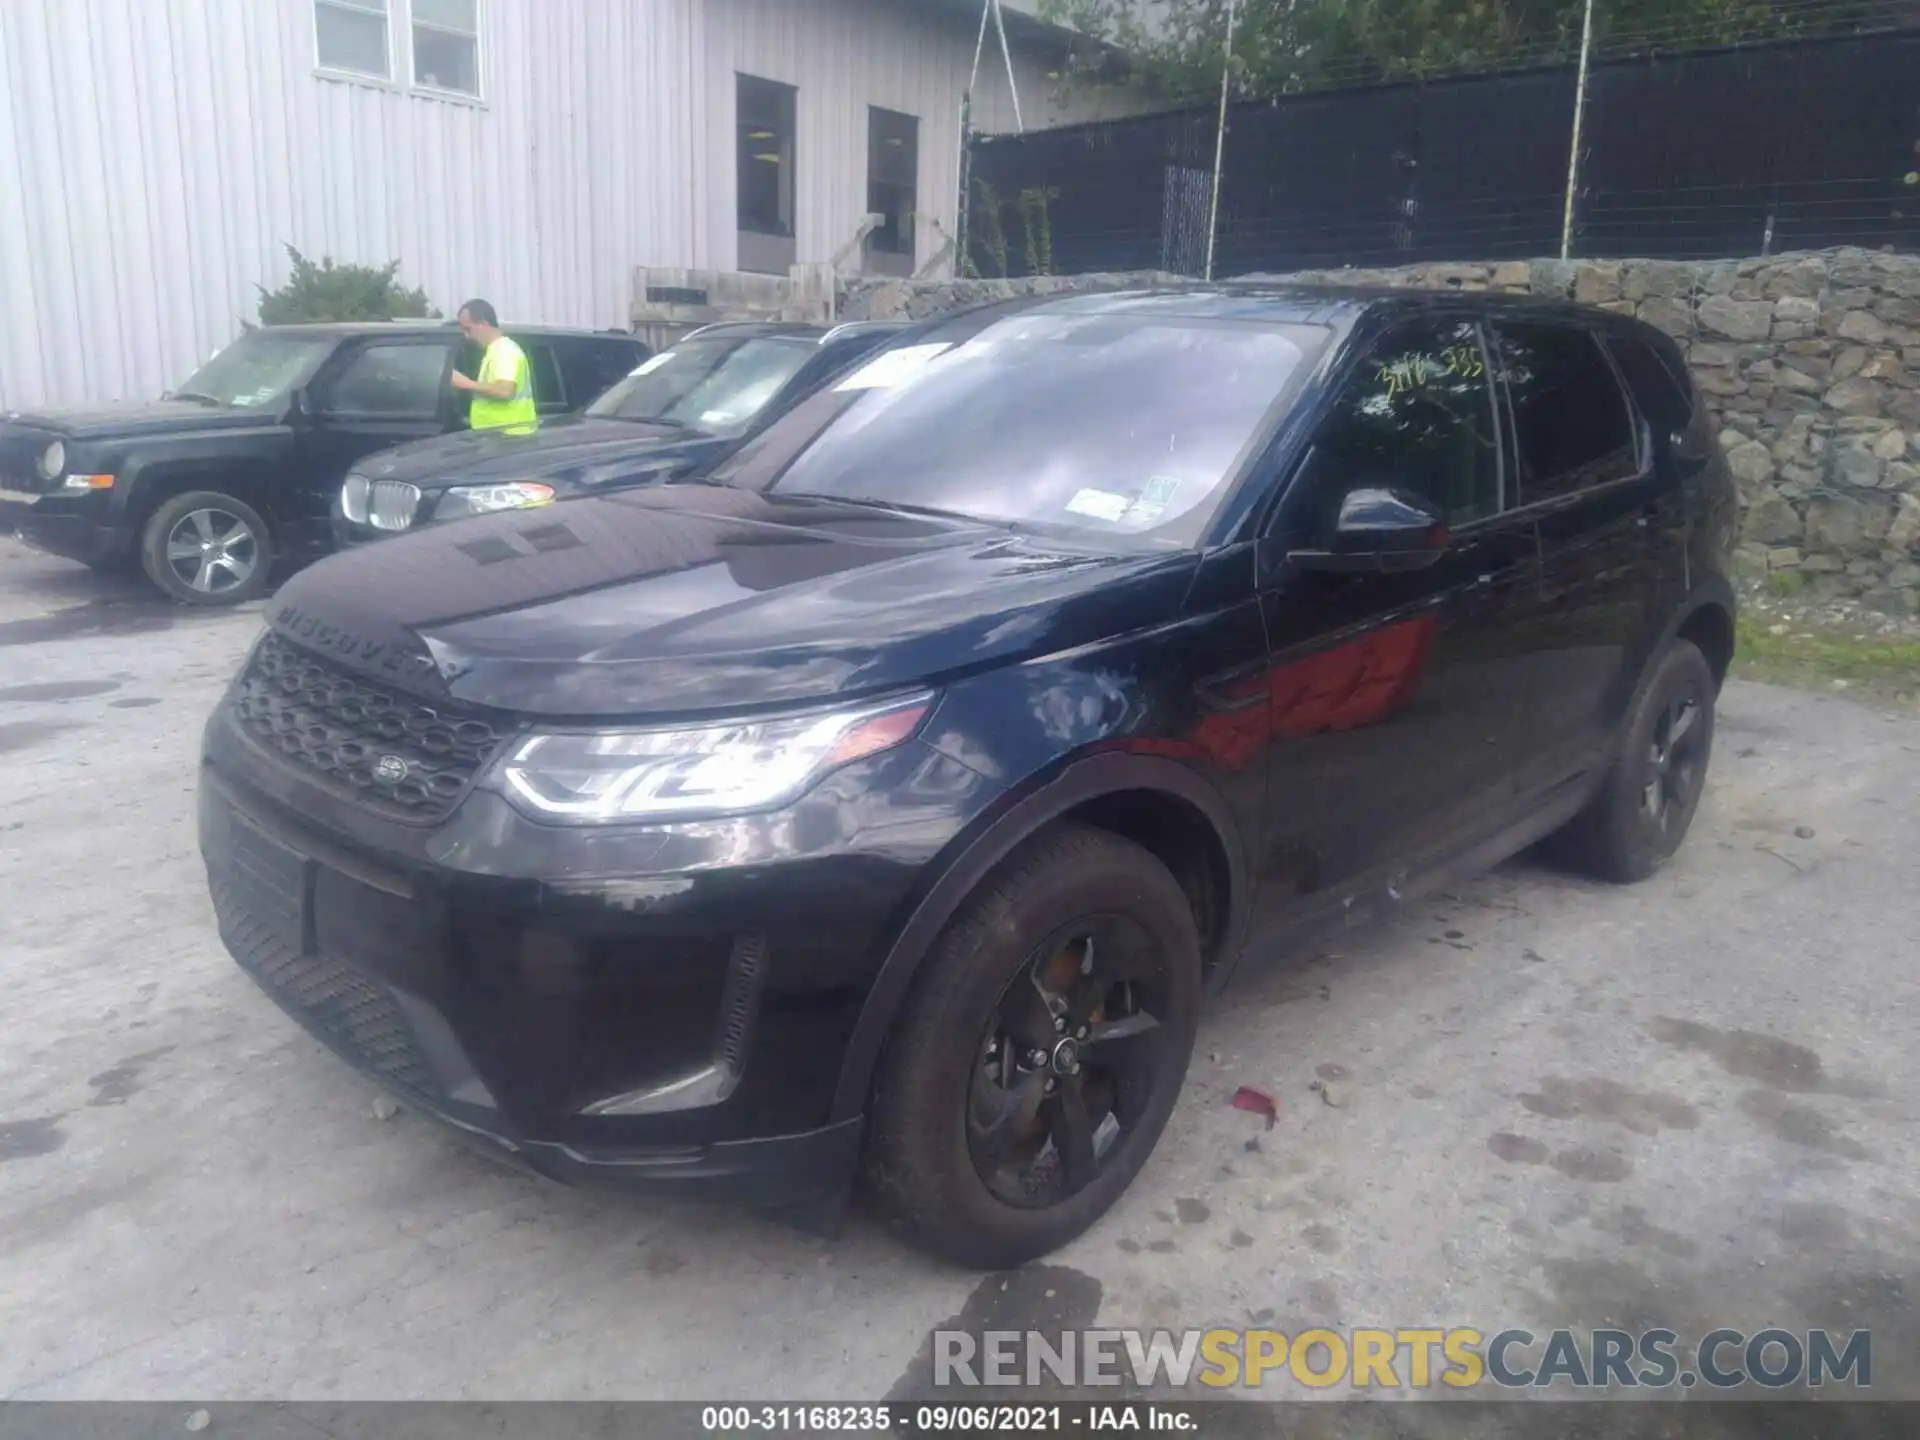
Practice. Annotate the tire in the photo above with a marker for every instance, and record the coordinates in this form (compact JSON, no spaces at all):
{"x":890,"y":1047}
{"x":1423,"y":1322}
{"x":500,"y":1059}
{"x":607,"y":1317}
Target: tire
{"x":929,"y":1160}
{"x":1619,"y":836}
{"x":206,"y":548}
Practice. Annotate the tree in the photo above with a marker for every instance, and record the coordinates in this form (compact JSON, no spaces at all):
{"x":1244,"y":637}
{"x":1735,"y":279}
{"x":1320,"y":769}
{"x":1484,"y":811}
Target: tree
{"x":1173,"y":47}
{"x":327,"y":291}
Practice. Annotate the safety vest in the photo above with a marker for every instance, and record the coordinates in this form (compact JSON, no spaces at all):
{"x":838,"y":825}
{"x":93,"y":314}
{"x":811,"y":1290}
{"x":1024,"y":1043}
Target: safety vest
{"x":505,"y":360}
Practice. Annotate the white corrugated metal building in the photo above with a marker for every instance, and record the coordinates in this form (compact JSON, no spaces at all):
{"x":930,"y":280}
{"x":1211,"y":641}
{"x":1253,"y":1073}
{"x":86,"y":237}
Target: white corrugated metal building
{"x":157,"y":156}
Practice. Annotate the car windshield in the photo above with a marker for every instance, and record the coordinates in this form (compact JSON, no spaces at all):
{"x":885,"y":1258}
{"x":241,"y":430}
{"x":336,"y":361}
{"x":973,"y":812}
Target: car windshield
{"x":716,"y":384}
{"x":1119,"y":427}
{"x":257,"y":369}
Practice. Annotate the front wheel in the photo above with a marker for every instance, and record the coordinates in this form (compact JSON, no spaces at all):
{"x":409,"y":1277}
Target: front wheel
{"x":1039,"y":1054}
{"x":1644,"y":806}
{"x":206,"y":548}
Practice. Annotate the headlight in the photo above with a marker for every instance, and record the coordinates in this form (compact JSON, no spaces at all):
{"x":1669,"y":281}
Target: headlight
{"x":723,"y":769}
{"x":485,"y":499}
{"x":53,"y":460}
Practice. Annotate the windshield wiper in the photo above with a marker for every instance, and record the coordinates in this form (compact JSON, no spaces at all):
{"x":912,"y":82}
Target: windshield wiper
{"x":198,"y":397}
{"x":900,"y":507}
{"x":647,"y":420}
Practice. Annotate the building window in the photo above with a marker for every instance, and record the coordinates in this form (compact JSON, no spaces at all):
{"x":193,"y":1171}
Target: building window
{"x":765,"y":111}
{"x":893,"y":180}
{"x":446,"y":45}
{"x":351,"y":36}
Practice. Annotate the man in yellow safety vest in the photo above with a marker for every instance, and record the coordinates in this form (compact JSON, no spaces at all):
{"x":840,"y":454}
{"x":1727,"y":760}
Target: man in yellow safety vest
{"x":503,"y":391}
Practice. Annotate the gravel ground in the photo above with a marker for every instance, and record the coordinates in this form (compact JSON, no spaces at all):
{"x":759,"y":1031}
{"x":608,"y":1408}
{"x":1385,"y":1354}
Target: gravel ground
{"x":1550,"y":1102}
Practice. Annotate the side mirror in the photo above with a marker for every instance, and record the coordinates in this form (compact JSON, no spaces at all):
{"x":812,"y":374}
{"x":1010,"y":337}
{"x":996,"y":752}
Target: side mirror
{"x":1380,"y":528}
{"x":300,"y":404}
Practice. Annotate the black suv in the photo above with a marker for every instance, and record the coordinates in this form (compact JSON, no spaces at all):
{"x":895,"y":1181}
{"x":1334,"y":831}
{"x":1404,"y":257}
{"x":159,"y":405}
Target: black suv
{"x":681,"y":411}
{"x":896,"y":791}
{"x":241,"y":464}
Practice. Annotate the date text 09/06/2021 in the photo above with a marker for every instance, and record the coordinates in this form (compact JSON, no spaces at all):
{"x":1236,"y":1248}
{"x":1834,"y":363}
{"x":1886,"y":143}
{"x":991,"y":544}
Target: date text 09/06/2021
{"x":946,"y":1419}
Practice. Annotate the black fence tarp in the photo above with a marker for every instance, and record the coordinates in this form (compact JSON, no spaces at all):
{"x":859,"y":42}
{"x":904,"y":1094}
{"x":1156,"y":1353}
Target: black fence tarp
{"x":1711,"y":154}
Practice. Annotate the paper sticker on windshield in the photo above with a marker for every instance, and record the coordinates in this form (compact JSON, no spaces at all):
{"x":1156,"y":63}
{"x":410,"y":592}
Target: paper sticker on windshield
{"x":1153,"y":501}
{"x":1160,"y":491}
{"x":647,"y":367}
{"x":1100,"y":504}
{"x":891,"y":367}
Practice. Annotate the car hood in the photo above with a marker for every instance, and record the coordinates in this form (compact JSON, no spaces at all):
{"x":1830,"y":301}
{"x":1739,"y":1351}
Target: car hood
{"x":694,"y":599}
{"x":574,"y":448}
{"x":110,"y":422}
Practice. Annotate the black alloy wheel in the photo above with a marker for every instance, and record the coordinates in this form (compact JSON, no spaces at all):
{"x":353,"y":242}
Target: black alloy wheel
{"x":1676,"y":762}
{"x":1071,"y":1059}
{"x":1646,"y":802}
{"x":1039,"y":1051}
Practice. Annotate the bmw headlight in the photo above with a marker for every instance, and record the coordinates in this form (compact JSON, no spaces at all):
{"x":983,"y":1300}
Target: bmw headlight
{"x":485,"y":499}
{"x":53,"y":460}
{"x":723,"y":769}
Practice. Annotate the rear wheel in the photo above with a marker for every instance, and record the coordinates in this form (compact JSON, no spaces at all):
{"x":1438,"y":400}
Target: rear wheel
{"x":206,"y":548}
{"x":1642,"y":811}
{"x":1039,"y":1054}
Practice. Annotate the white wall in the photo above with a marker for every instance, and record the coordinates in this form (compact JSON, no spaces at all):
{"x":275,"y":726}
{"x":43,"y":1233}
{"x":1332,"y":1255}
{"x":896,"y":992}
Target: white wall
{"x":844,"y":56}
{"x":157,"y":155}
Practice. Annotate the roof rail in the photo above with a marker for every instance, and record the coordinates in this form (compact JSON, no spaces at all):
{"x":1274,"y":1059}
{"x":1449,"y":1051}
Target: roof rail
{"x":724,"y":325}
{"x":854,"y":327}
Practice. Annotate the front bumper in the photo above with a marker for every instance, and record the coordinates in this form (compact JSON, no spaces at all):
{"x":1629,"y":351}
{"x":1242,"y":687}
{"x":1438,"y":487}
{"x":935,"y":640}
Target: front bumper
{"x":347,"y":534}
{"x":74,"y":527}
{"x":664,"y":1005}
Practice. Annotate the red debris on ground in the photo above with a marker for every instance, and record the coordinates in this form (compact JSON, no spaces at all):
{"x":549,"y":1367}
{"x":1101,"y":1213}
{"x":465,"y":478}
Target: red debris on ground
{"x":1257,"y":1101}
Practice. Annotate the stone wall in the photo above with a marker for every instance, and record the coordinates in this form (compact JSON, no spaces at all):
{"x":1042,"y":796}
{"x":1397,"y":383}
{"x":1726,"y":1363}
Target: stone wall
{"x":1810,"y":362}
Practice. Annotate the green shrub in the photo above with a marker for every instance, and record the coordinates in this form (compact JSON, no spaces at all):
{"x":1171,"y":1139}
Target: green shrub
{"x":327,"y":291}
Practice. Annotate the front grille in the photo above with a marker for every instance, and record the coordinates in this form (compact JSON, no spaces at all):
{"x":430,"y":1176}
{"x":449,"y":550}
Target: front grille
{"x":383,"y":504}
{"x":357,"y":1014}
{"x":742,"y":999}
{"x":393,"y":504}
{"x":353,"y":499}
{"x":396,"y":752}
{"x":20,"y":453}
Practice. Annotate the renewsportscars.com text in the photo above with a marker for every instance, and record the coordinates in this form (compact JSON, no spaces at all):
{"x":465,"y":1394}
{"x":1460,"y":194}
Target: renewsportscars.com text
{"x":1412,"y":1358}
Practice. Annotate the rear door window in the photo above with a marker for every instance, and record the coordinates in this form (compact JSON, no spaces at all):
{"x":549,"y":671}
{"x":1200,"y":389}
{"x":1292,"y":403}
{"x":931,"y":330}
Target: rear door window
{"x":1416,"y":415}
{"x":1665,"y":395}
{"x":1571,"y":424}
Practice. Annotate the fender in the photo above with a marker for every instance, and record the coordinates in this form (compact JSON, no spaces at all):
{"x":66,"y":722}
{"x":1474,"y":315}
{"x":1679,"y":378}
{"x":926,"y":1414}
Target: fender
{"x":202,"y":462}
{"x":1082,"y":780}
{"x":1709,"y":590}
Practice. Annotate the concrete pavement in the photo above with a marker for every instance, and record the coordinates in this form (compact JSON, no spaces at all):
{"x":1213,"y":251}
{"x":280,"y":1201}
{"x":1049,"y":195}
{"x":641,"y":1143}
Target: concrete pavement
{"x":1685,"y":1104}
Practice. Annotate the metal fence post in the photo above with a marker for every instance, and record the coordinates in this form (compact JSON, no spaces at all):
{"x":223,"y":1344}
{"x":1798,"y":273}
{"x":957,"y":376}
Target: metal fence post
{"x":1220,"y":140}
{"x":960,"y":251}
{"x":1579,"y":112}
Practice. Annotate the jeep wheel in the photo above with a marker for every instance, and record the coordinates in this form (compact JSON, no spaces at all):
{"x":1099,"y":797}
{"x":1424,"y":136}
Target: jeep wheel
{"x":1039,"y":1054}
{"x":205,"y":548}
{"x":1640,"y":815}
